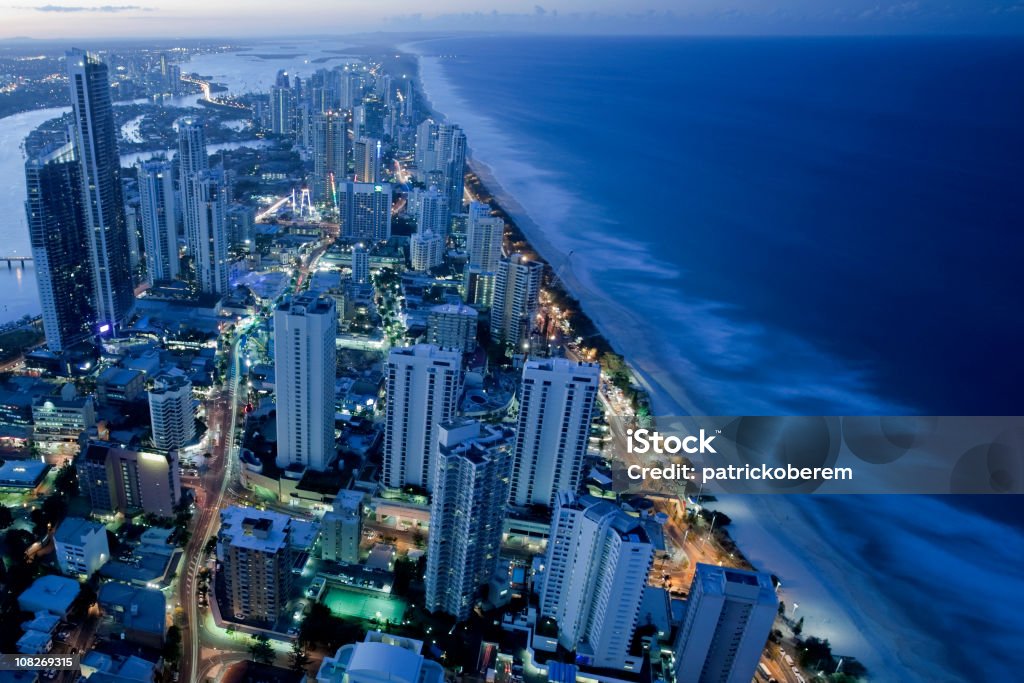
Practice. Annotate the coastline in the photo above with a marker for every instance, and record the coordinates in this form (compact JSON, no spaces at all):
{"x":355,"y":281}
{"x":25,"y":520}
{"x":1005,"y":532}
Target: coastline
{"x":812,"y":571}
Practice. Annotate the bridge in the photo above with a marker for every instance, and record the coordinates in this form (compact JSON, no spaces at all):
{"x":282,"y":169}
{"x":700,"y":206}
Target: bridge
{"x":15,"y":259}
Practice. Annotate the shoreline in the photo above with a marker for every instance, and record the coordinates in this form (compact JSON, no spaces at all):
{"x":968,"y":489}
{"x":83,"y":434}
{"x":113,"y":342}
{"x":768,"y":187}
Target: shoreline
{"x":524,"y":232}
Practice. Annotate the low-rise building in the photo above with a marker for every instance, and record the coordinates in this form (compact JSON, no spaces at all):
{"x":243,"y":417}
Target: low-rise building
{"x":139,"y":613}
{"x":380,"y":658}
{"x":59,"y":419}
{"x":50,"y":593}
{"x":81,"y":546}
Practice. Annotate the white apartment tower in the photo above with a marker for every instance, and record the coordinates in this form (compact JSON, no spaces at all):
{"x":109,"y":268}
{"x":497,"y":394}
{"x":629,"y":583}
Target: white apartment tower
{"x":467,"y":511}
{"x":423,"y":387}
{"x":366,"y":155}
{"x":208,"y":231}
{"x":594,"y":576}
{"x":330,"y":135}
{"x":305,"y":328}
{"x":81,"y":546}
{"x":360,"y":265}
{"x":556,"y":402}
{"x":159,"y":209}
{"x":729,"y":615}
{"x":426,"y":250}
{"x":516,"y":292}
{"x":432,"y":212}
{"x":172,"y":412}
{"x":365,"y":210}
{"x":484,"y":234}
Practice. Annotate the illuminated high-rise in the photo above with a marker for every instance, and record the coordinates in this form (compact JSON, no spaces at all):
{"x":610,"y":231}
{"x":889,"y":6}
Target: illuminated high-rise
{"x":329,"y":161}
{"x":57,"y":231}
{"x":95,"y":140}
{"x":158,"y":208}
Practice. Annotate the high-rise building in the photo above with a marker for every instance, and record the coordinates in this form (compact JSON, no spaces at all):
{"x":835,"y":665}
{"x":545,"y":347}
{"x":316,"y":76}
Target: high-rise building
{"x":426,"y":250}
{"x":366,"y":155}
{"x":423,"y":387}
{"x":729,"y":615}
{"x":330,"y":135}
{"x":467,"y":511}
{"x":240,"y":222}
{"x":192,"y":153}
{"x":116,"y":479}
{"x":208,"y":231}
{"x":360,"y":265}
{"x":556,"y":403}
{"x":172,"y":412}
{"x":365,"y":211}
{"x":305,"y":327}
{"x":455,"y":170}
{"x":441,"y":148}
{"x":158,"y":207}
{"x":81,"y":546}
{"x":432,"y":212}
{"x":484,"y":235}
{"x":516,"y":297}
{"x":103,"y":203}
{"x":594,"y":576}
{"x":478,"y":287}
{"x":254,"y":549}
{"x":282,"y":107}
{"x":59,"y":239}
{"x":452,"y":326}
{"x":341,"y":529}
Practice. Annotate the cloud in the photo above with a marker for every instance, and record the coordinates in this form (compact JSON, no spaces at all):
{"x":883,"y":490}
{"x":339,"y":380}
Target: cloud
{"x":93,"y":8}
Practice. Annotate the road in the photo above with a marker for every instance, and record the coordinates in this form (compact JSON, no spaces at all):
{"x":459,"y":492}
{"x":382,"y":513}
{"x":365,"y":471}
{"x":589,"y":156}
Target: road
{"x":222,"y":413}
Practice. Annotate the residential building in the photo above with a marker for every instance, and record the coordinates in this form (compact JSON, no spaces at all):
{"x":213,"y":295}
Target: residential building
{"x":432,"y":212}
{"x":207,"y":231}
{"x":556,"y":403}
{"x":116,"y":479}
{"x":365,"y":210}
{"x":305,"y":328}
{"x":330,"y":136}
{"x":423,"y":387}
{"x":341,"y":529}
{"x":484,"y":235}
{"x":729,"y":616}
{"x":60,"y":241}
{"x":120,"y":386}
{"x":516,"y":297}
{"x":50,"y":593}
{"x":367,"y":154}
{"x":452,"y":326}
{"x":81,"y":547}
{"x":426,"y":251}
{"x":467,"y":512}
{"x":254,"y":549}
{"x":595,"y":572}
{"x":360,"y":265}
{"x":139,"y":614}
{"x":95,"y":139}
{"x":158,"y":205}
{"x":172,"y":413}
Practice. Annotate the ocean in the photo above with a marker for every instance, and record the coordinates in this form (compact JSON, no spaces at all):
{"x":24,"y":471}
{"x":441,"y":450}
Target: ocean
{"x":793,"y":226}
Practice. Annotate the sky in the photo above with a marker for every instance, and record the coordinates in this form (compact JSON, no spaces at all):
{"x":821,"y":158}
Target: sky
{"x":59,"y":19}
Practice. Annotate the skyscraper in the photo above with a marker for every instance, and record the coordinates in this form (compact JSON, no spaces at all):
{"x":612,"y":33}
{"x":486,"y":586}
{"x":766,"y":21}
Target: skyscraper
{"x":158,"y":206}
{"x":594,"y":577}
{"x":432,"y":212}
{"x":192,"y":154}
{"x":305,"y":327}
{"x":57,"y":232}
{"x":455,"y":170}
{"x":366,"y":155}
{"x":172,"y":413}
{"x":282,"y":106}
{"x":423,"y":386}
{"x":208,"y":230}
{"x":330,"y":136}
{"x":729,"y":615}
{"x":484,"y":235}
{"x":516,"y":292}
{"x":96,"y":151}
{"x":466,"y":513}
{"x":254,"y":548}
{"x":365,"y":211}
{"x":441,"y":148}
{"x":556,"y":403}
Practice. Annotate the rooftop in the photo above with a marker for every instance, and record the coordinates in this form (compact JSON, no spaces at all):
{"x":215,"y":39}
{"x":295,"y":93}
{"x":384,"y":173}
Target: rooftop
{"x":254,"y":529}
{"x":140,"y":609}
{"x":52,"y":593}
{"x":75,"y":530}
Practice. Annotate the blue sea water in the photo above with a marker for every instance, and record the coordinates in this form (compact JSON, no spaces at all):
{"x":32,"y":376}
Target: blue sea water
{"x":777,"y":226}
{"x":821,"y":225}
